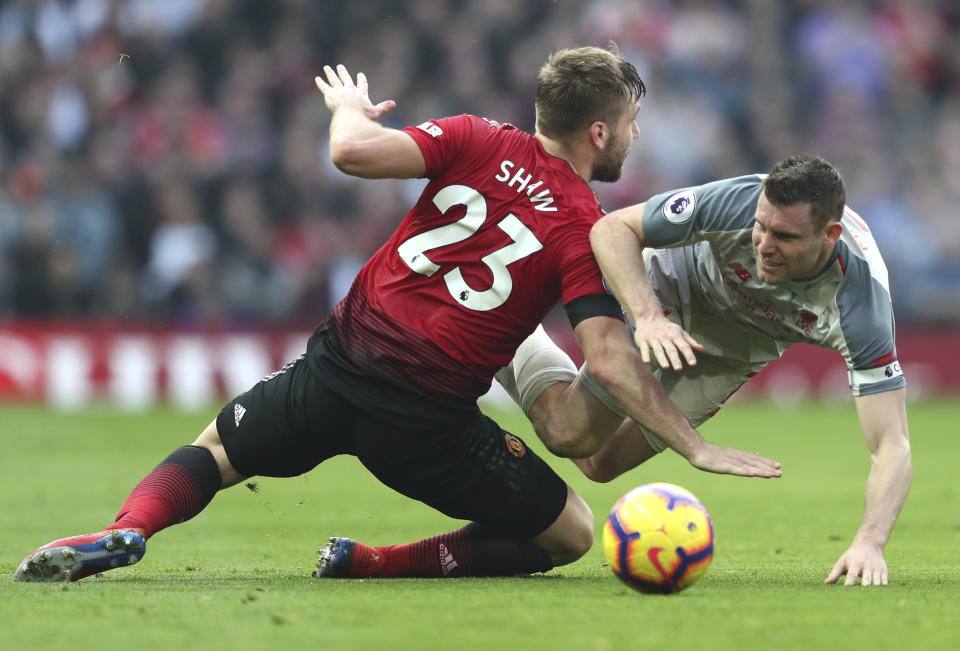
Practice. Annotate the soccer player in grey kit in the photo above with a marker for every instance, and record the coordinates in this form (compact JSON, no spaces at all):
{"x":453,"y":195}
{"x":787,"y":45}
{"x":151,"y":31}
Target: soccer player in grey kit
{"x":725,"y":277}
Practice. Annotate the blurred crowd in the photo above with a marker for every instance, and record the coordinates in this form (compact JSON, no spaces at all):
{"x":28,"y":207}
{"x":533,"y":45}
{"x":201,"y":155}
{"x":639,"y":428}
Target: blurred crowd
{"x":168,"y":159}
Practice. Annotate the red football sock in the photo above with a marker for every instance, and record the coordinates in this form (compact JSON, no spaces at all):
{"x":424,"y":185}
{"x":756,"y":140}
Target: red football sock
{"x":178,"y":489}
{"x":456,"y":554}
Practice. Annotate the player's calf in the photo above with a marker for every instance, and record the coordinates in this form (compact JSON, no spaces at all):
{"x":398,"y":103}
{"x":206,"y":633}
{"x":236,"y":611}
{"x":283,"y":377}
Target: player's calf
{"x":570,"y":536}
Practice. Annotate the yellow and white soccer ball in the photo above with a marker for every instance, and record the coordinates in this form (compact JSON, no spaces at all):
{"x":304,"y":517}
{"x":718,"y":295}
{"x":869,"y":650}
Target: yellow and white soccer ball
{"x":658,"y":538}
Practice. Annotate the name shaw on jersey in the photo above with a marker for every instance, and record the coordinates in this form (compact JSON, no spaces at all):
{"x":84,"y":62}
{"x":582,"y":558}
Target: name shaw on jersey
{"x":541,"y":201}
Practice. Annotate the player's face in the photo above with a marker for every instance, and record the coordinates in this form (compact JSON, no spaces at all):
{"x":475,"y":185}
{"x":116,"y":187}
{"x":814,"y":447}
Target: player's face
{"x":609,"y":164}
{"x":786,"y":243}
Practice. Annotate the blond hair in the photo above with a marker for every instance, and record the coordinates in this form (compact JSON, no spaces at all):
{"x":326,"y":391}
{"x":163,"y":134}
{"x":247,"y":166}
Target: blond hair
{"x":580,"y":86}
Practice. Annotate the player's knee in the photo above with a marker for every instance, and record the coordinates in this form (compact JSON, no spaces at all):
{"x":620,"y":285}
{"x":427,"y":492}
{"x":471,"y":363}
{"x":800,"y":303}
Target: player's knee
{"x":560,"y":447}
{"x":210,"y":440}
{"x":597,"y":471}
{"x":564,"y":442}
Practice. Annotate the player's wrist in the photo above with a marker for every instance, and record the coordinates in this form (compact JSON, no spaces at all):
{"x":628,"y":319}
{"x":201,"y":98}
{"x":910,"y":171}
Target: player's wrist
{"x":646,"y":311}
{"x":692,"y":447}
{"x":875,"y":541}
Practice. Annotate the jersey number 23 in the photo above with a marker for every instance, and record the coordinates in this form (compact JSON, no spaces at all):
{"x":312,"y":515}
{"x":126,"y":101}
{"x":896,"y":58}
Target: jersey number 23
{"x":413,"y":251}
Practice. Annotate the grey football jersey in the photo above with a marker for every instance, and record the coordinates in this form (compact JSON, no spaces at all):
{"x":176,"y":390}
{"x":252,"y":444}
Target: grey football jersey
{"x":846,"y":307}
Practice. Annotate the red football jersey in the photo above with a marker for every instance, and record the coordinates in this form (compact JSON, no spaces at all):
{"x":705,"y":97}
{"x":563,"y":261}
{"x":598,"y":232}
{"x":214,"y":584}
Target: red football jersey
{"x":498,"y":236}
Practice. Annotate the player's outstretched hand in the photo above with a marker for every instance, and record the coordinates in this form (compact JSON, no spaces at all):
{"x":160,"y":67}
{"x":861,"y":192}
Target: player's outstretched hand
{"x":730,"y":461}
{"x":668,"y":342}
{"x":339,"y":91}
{"x":860,"y":560}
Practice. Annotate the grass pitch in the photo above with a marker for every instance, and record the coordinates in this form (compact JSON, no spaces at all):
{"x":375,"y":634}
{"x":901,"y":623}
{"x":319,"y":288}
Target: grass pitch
{"x":237,"y":576}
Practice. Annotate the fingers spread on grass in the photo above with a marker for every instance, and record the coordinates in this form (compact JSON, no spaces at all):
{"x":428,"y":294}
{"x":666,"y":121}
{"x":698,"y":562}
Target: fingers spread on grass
{"x":836,"y":572}
{"x":853,"y":573}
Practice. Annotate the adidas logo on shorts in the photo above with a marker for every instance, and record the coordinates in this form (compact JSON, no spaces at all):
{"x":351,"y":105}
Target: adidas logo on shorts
{"x":238,"y":412}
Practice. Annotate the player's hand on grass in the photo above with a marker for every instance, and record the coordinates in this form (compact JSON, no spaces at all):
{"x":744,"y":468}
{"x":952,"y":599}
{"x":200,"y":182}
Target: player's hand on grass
{"x":730,"y":461}
{"x":668,"y":342}
{"x":860,"y":560}
{"x":339,"y":91}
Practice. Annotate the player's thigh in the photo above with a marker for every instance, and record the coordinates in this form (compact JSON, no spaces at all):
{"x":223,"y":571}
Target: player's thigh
{"x":285,"y":424}
{"x":472,"y":471}
{"x":572,"y":420}
{"x":700,"y":391}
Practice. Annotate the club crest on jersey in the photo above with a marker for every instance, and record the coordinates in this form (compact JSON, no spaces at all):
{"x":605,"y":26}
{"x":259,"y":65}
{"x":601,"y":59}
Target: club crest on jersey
{"x":515,"y":445}
{"x":806,"y":320}
{"x":678,"y":209}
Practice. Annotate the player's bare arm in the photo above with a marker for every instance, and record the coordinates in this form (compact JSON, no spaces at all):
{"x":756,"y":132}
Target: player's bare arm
{"x":617,"y":367}
{"x":883,"y":419}
{"x":359,"y":145}
{"x":617,"y":241}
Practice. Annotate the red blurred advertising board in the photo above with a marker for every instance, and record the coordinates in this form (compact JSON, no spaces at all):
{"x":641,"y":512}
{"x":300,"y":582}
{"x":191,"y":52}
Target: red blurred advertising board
{"x":73,"y":364}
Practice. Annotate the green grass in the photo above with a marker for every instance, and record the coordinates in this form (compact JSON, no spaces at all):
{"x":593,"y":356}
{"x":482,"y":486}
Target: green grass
{"x":236,"y":577}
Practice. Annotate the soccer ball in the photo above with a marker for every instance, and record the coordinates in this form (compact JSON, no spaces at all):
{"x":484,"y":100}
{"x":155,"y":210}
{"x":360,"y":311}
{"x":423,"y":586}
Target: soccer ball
{"x":658,"y":538}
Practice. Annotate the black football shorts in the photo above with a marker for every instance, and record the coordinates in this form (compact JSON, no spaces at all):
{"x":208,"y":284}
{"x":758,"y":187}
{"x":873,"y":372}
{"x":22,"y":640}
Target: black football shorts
{"x":471,"y":469}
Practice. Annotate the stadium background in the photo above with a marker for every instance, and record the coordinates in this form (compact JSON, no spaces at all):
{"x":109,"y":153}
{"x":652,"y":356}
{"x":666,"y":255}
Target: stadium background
{"x":171,"y":226}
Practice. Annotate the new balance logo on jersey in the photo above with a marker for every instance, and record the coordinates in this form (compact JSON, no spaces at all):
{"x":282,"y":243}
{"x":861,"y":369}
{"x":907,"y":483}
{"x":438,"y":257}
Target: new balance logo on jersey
{"x":431,"y":128}
{"x":447,"y":562}
{"x":740,"y":270}
{"x":238,"y":412}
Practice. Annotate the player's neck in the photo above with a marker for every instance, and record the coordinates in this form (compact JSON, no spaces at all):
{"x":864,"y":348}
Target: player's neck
{"x":579,"y":163}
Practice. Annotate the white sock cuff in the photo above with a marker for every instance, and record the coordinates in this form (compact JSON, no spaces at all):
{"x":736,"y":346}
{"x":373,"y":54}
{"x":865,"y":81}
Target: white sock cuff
{"x":539,"y":364}
{"x":509,"y":383}
{"x":540,"y":380}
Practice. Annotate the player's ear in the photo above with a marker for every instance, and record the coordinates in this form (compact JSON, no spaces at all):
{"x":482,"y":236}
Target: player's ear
{"x":833,"y":232}
{"x":599,"y":134}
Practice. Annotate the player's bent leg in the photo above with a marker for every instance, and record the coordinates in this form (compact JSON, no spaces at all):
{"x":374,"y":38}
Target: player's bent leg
{"x":571,"y":534}
{"x":471,"y":551}
{"x":476,"y":472}
{"x":543,"y":381}
{"x":698,"y":392}
{"x":571,"y":421}
{"x":175,"y":491}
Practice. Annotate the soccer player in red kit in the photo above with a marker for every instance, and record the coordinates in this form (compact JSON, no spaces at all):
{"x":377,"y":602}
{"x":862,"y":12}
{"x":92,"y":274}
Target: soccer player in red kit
{"x":392,"y":376}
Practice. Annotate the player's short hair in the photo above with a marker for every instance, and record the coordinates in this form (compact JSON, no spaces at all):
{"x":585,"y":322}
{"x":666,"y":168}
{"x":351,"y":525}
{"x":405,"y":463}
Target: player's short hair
{"x":577,"y":87}
{"x":807,"y":179}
